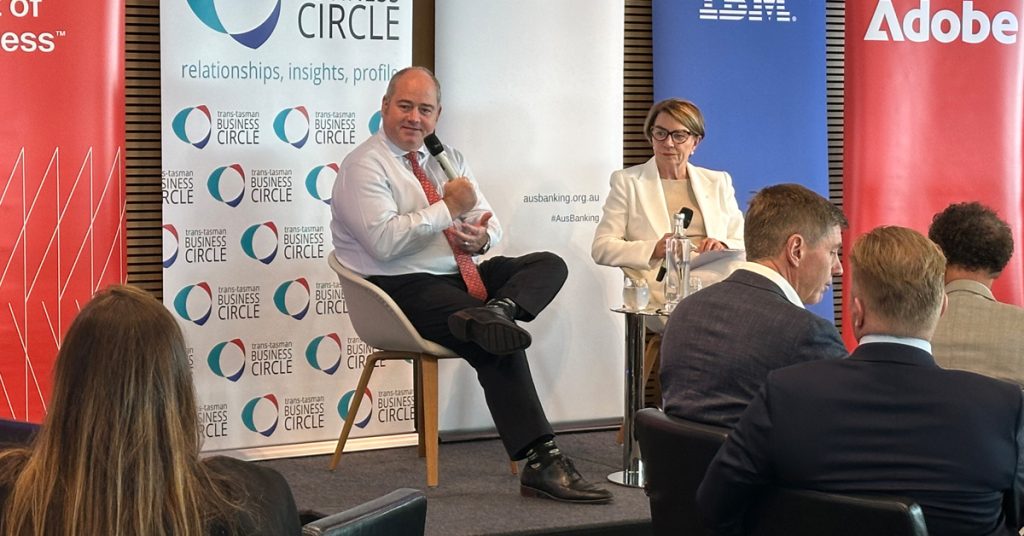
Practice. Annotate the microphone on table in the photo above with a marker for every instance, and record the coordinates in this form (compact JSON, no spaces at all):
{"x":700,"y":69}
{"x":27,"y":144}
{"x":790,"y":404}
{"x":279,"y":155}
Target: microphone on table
{"x":436,"y":149}
{"x":687,"y":217}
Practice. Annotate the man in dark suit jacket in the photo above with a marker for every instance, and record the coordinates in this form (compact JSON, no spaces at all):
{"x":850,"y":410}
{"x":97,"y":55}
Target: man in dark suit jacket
{"x":887,"y":420}
{"x":721,"y":343}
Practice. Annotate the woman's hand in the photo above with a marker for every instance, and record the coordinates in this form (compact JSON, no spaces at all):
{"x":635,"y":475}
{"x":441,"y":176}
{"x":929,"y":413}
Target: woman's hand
{"x":659,"y":249}
{"x":710,"y":244}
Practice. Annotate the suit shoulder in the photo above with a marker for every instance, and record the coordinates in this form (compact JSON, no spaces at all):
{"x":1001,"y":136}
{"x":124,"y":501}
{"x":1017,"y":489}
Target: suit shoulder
{"x":631,"y":173}
{"x":980,"y":382}
{"x":1010,"y":310}
{"x":802,"y":379}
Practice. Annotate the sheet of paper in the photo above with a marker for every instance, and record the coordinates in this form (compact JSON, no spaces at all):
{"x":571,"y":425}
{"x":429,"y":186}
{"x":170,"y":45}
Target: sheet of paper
{"x":711,"y":256}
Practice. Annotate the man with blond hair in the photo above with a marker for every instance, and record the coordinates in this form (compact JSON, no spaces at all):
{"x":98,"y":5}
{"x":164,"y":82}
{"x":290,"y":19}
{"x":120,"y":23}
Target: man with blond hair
{"x":887,"y":420}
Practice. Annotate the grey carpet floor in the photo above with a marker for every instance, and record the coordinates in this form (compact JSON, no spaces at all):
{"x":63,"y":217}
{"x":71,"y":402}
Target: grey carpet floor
{"x":477,"y":493}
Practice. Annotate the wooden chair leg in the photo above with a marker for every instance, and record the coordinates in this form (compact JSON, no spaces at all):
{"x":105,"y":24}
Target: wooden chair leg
{"x":514,"y":467}
{"x":651,"y":352}
{"x":417,"y":381}
{"x":428,"y":386}
{"x":353,"y":408}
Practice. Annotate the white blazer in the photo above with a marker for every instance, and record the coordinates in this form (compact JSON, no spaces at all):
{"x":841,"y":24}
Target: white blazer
{"x":635,"y":218}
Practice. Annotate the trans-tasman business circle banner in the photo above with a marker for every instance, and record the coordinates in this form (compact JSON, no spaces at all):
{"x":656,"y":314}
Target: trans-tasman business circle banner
{"x":62,"y":208}
{"x":934,"y":115}
{"x":261,"y":100}
{"x":756,"y":69}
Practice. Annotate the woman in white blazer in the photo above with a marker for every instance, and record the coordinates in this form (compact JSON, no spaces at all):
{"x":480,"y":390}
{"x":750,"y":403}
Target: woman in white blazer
{"x":638,"y":210}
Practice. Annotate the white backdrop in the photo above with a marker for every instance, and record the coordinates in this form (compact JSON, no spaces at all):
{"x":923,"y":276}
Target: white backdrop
{"x":532,"y":95}
{"x":261,"y":101}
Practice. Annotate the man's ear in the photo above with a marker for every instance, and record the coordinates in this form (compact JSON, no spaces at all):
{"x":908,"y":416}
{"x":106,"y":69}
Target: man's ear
{"x":795,"y":246}
{"x":857,"y":312}
{"x":857,"y":316}
{"x":945,"y":304}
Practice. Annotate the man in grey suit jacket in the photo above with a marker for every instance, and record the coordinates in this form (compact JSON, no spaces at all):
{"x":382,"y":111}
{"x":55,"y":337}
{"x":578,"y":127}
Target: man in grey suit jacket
{"x":885,"y":421}
{"x":977,"y":333}
{"x":721,"y":343}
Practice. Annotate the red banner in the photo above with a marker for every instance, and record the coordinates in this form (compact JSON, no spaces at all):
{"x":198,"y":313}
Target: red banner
{"x":62,"y":187}
{"x":934,"y":115}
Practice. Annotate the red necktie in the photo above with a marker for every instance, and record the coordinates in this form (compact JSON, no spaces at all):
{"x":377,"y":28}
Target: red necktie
{"x":470,"y":274}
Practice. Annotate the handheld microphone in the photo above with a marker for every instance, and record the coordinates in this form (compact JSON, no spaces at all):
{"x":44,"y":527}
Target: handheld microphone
{"x":436,"y":149}
{"x":687,"y":213}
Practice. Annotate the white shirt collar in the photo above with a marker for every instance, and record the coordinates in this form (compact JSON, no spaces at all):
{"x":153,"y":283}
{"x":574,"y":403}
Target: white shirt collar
{"x":774,"y":277}
{"x":421,"y":153}
{"x":909,"y":341}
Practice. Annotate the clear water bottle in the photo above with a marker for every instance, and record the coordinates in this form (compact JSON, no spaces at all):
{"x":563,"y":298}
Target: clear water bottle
{"x":677,"y":264}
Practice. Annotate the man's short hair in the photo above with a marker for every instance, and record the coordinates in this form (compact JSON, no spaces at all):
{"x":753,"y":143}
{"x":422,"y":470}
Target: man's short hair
{"x":973,"y":237}
{"x":900,"y":274}
{"x":397,"y":76}
{"x":778,"y":212}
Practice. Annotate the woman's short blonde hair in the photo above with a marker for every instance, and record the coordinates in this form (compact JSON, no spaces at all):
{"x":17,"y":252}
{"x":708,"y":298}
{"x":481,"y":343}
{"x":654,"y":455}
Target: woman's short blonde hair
{"x":681,"y":110}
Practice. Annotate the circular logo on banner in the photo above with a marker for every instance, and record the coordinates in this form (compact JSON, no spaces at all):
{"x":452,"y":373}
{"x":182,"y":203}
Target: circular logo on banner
{"x":374,"y":124}
{"x":194,"y":303}
{"x":227,"y":184}
{"x":254,"y":37}
{"x":320,"y":181}
{"x":292,"y":298}
{"x":170,"y":245}
{"x":261,"y":415}
{"x":292,"y":128}
{"x":366,"y":405}
{"x":324,"y":353}
{"x":227,"y":359}
{"x":193,"y":128}
{"x":260,"y":242}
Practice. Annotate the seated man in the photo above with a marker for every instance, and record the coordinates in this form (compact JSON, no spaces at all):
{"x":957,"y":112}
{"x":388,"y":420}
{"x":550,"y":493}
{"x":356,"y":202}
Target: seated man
{"x":399,"y":222}
{"x":887,"y":420}
{"x":721,"y":343}
{"x":977,"y":333}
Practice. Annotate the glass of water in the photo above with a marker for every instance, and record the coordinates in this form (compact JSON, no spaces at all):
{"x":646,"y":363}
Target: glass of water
{"x":696,"y":283}
{"x":635,"y":294}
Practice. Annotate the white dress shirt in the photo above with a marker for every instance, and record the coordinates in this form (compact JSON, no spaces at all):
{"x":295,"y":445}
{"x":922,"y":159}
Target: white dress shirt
{"x":381,"y":221}
{"x":774,"y":277}
{"x":920,"y":344}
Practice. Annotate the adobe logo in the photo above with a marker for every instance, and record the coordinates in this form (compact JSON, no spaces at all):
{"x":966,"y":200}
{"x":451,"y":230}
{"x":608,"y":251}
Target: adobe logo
{"x":920,"y":25}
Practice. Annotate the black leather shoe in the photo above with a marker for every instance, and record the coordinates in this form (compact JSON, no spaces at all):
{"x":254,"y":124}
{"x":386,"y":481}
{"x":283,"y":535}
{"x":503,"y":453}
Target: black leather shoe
{"x":555,"y":477}
{"x":490,"y":328}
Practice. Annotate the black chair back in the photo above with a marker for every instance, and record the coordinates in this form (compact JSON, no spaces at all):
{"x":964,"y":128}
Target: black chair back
{"x":676,"y":454}
{"x":789,"y":512}
{"x":16,"y":433}
{"x":402,"y":512}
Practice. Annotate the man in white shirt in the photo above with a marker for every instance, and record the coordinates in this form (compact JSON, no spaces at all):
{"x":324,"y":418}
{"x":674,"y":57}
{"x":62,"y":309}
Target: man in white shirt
{"x":398,"y":221}
{"x":721,"y":343}
{"x":977,"y":333}
{"x":885,"y":421}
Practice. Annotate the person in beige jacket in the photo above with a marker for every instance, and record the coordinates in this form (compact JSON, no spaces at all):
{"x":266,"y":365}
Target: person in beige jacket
{"x":977,"y":333}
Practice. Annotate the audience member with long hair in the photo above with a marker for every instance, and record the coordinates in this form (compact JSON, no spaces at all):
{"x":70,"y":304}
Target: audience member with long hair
{"x":118,"y":453}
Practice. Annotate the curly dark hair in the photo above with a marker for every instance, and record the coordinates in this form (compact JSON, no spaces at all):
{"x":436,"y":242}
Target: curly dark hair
{"x":972,"y":237}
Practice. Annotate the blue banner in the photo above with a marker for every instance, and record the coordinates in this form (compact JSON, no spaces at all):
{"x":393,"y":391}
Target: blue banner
{"x":756,"y":69}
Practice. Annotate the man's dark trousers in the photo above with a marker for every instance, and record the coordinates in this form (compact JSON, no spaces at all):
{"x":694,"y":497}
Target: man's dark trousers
{"x":531,"y":281}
